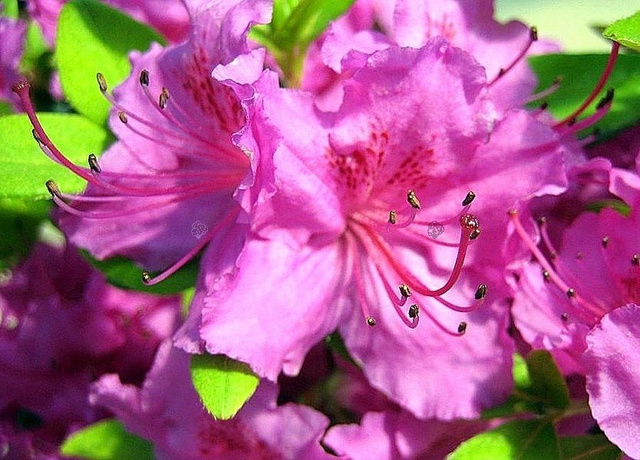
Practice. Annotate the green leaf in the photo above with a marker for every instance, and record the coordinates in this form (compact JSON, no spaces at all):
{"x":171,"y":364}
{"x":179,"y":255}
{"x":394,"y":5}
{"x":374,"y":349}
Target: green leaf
{"x":547,"y":382}
{"x":10,"y":9}
{"x":580,"y":73}
{"x":596,"y":447}
{"x":91,"y":38}
{"x":106,"y":440}
{"x":625,"y":31}
{"x":617,"y":205}
{"x":522,"y":440}
{"x":294,"y":25}
{"x":20,"y":221}
{"x":224,"y":385}
{"x":124,"y":273}
{"x":24,"y":168}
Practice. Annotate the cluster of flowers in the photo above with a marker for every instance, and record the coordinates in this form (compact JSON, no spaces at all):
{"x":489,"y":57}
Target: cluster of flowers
{"x":401,"y":196}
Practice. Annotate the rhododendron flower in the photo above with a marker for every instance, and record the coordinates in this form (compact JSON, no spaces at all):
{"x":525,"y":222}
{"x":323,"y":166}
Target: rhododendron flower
{"x":168,"y":412}
{"x":12,"y":35}
{"x":613,"y":379}
{"x":363,"y":219}
{"x":62,"y":325}
{"x":170,"y":17}
{"x":165,"y":189}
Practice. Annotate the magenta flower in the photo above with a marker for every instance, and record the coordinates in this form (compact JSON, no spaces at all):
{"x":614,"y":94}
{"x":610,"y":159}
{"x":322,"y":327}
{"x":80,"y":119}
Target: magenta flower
{"x":165,"y":189}
{"x":168,"y":412}
{"x":337,"y":227}
{"x":61,"y":325}
{"x":12,"y":35}
{"x":613,"y":378}
{"x":170,"y":18}
{"x":562,"y":295}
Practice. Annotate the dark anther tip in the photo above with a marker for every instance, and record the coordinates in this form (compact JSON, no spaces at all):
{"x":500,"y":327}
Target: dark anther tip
{"x":371,"y":321}
{"x":146,"y":277}
{"x":144,"y":77}
{"x":102,"y":82}
{"x":20,"y":85}
{"x":462,"y":327}
{"x":414,"y":311}
{"x":469,"y":198}
{"x":533,"y":33}
{"x":481,"y":292}
{"x":93,"y":164}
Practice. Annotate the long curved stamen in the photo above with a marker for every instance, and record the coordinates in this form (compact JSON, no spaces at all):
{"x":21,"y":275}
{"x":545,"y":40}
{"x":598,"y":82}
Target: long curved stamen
{"x":480,"y":296}
{"x":545,"y":92}
{"x":360,"y":290}
{"x":549,"y":271}
{"x":602,"y":109}
{"x":533,"y":37}
{"x":227,"y":220}
{"x":615,"y":48}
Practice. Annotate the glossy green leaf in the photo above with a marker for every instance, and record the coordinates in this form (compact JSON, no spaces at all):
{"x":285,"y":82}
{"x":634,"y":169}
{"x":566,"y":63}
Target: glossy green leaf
{"x":19,"y":221}
{"x":123,"y":273}
{"x":10,"y":8}
{"x":93,"y":37}
{"x":521,"y":439}
{"x":295,"y":24}
{"x":580,"y":73}
{"x":224,"y":385}
{"x":596,"y":447}
{"x":24,"y":168}
{"x":106,"y":440}
{"x":625,"y":31}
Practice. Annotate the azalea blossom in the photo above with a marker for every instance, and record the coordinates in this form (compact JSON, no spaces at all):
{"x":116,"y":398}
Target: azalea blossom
{"x":361,"y":207}
{"x":12,"y":36}
{"x":165,"y":189}
{"x":167,"y":411}
{"x":578,"y":299}
{"x":61,"y":326}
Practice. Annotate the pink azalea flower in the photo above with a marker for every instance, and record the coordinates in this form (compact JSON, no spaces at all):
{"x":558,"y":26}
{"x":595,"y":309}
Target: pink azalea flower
{"x":12,"y":35}
{"x":170,"y":18}
{"x":165,"y":189}
{"x":168,"y":412}
{"x":61,"y":325}
{"x":613,"y":378}
{"x":571,"y":284}
{"x":324,"y":253}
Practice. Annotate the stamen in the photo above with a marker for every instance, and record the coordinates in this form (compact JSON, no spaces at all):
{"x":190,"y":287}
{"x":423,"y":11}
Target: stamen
{"x":413,"y":199}
{"x":414,"y":311}
{"x":615,"y":48}
{"x":545,"y":93}
{"x":469,"y":199}
{"x":635,"y":260}
{"x":462,"y":327}
{"x":564,"y":316}
{"x":148,"y":280}
{"x":93,"y":164}
{"x":371,"y":321}
{"x":53,"y":189}
{"x":481,"y":292}
{"x":144,"y":77}
{"x":571,"y":293}
{"x":123,"y":117}
{"x":163,"y":98}
{"x":533,"y":37}
{"x":102,"y":82}
{"x":393,"y":217}
{"x":605,"y":242}
{"x":404,"y":290}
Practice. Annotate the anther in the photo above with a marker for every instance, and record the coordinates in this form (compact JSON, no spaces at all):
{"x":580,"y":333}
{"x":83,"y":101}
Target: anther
{"x":20,"y":85}
{"x":564,"y":317}
{"x":474,"y":234}
{"x":605,"y":242}
{"x":146,"y":277}
{"x":163,"y":98}
{"x":123,"y":117}
{"x":404,"y":290}
{"x":571,"y":293}
{"x":462,"y":327}
{"x":144,"y":77}
{"x":393,"y":217}
{"x":413,"y":199}
{"x":546,"y":275}
{"x":468,"y":199}
{"x":93,"y":164}
{"x":371,"y":321}
{"x":35,"y":135}
{"x":414,"y":310}
{"x":481,"y":292}
{"x":635,"y":260}
{"x":533,"y":34}
{"x":102,"y":83}
{"x":608,"y":97}
{"x":52,"y":187}
{"x":544,"y":106}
